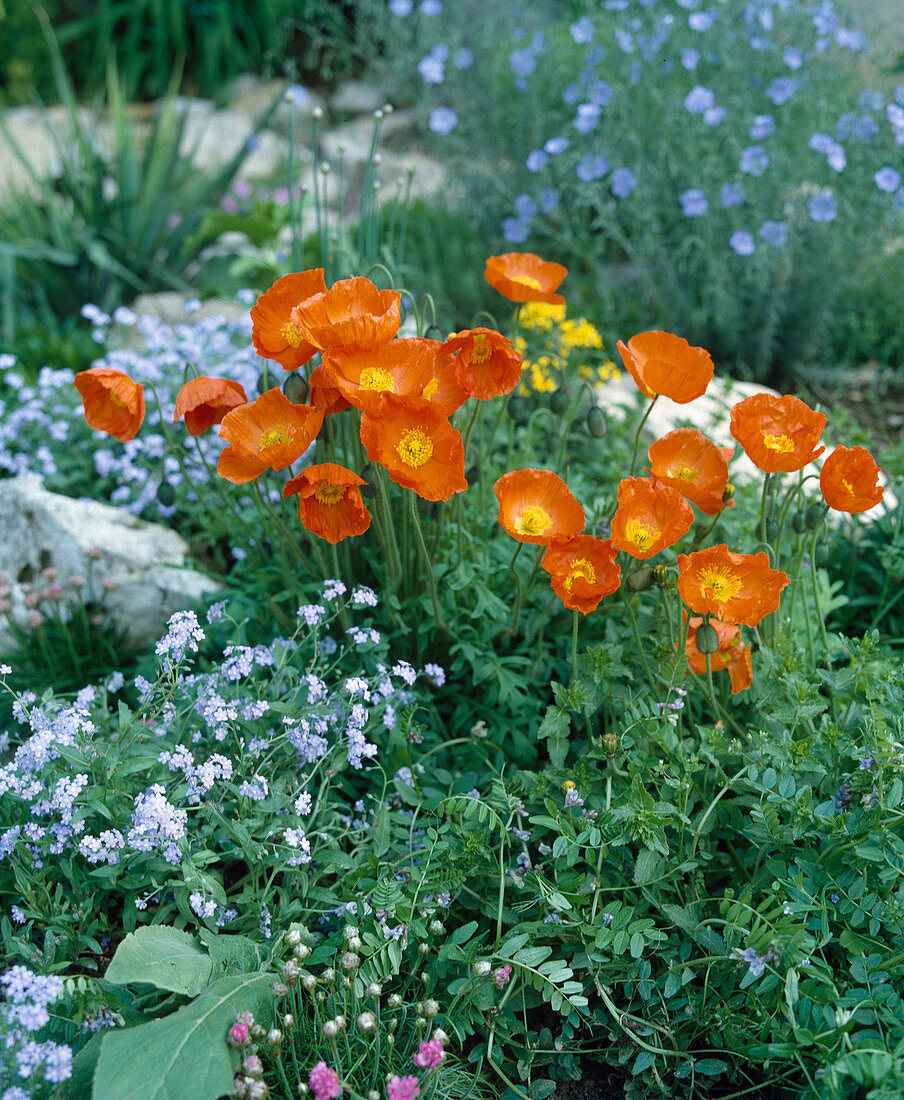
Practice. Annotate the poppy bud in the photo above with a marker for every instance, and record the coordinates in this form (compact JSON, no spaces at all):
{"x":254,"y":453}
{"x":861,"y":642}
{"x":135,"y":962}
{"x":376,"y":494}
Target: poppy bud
{"x":369,"y":488}
{"x":815,"y":515}
{"x":640,"y":580}
{"x":771,"y":530}
{"x":706,"y":639}
{"x":661,"y":576}
{"x":799,"y":522}
{"x":728,"y":493}
{"x":821,"y":553}
{"x":166,"y":494}
{"x":597,"y":424}
{"x":517,"y":409}
{"x":296,"y":388}
{"x":609,"y":741}
{"x":558,"y":402}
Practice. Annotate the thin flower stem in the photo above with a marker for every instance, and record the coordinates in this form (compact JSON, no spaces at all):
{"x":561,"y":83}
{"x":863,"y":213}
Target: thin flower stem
{"x":763,"y":517}
{"x":640,"y":426}
{"x":574,"y":644}
{"x":640,"y":647}
{"x":519,"y":592}
{"x":394,"y":557}
{"x":431,"y":577}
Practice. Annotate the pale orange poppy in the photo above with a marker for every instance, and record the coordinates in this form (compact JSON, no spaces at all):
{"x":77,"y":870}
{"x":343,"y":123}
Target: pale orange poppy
{"x":269,"y":433}
{"x":113,"y":402}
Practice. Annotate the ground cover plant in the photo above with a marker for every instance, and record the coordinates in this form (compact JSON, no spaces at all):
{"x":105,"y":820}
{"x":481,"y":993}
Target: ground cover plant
{"x":374,"y":854}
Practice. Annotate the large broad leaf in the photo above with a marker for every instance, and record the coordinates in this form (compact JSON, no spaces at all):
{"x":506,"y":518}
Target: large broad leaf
{"x":185,"y":1054}
{"x":163,"y":957}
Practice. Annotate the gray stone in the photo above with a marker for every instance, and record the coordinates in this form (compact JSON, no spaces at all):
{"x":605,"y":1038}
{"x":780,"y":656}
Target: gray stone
{"x":37,"y":135}
{"x":144,"y":562}
{"x":354,"y":97}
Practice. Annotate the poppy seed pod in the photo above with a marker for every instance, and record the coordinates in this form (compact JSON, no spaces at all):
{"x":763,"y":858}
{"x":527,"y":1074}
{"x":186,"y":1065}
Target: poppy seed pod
{"x":771,"y":530}
{"x":821,"y":553}
{"x":799,"y":522}
{"x":558,"y":402}
{"x":597,"y":424}
{"x":166,"y":494}
{"x":640,"y":580}
{"x":707,"y":639}
{"x":296,"y":388}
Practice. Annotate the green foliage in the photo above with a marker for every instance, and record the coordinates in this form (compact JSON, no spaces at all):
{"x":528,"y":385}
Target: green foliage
{"x":115,"y":222}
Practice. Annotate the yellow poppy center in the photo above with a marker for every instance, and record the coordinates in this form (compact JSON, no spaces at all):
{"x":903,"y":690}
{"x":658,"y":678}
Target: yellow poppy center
{"x":533,"y":520}
{"x":784,"y":444}
{"x":848,"y":487}
{"x":640,"y":534}
{"x":375,"y":378}
{"x":431,"y":389}
{"x":529,"y":281}
{"x":291,"y":335}
{"x":328,"y":493}
{"x":274,"y":437}
{"x":481,"y":350}
{"x":415,"y":447}
{"x":580,"y":570}
{"x":718,"y":583}
{"x":116,"y":400}
{"x":684,"y":472}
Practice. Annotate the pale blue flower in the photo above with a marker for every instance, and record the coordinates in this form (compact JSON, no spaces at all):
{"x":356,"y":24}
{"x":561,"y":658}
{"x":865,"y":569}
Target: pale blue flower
{"x":713,"y":116}
{"x":781,"y":89}
{"x":731,"y":194}
{"x":774,"y":233}
{"x":582,"y":30}
{"x":690,"y":59}
{"x":693,"y":203}
{"x":701,"y":20}
{"x":761,"y":127}
{"x":587,"y":117}
{"x":822,"y":207}
{"x":593,"y":166}
{"x":699,"y":99}
{"x":623,"y":182}
{"x":743,"y":243}
{"x":443,"y":120}
{"x":754,"y":160}
{"x":556,"y":145}
{"x":536,"y":159}
{"x":887,"y":179}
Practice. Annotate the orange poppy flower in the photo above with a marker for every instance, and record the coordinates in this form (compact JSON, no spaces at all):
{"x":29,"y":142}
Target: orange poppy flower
{"x":660,"y":362}
{"x":443,"y":389}
{"x":113,"y":402}
{"x":329,"y":501}
{"x":270,"y":433}
{"x":736,"y":588}
{"x":537,"y":506}
{"x":205,"y":401}
{"x":583,"y":571}
{"x":649,"y":517}
{"x":732,"y":654}
{"x":524,"y":277}
{"x":274,"y":334}
{"x":777,"y":433}
{"x":402,"y":367}
{"x":849,"y":480}
{"x":689,"y":462}
{"x":352,"y":313}
{"x":486,"y":364}
{"x":325,"y":394}
{"x":416,"y":443}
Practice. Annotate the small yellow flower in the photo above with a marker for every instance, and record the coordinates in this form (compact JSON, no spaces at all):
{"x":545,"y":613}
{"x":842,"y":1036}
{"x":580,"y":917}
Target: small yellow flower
{"x":568,"y":785}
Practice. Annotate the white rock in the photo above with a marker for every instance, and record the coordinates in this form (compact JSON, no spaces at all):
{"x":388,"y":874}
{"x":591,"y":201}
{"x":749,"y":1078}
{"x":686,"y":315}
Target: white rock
{"x":146,"y":561}
{"x":354,"y":97}
{"x":36,"y":134}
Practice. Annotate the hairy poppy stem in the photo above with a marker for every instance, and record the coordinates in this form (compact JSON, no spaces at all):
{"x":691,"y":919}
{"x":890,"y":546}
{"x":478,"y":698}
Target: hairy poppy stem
{"x":643,"y":421}
{"x":431,"y":577}
{"x":574,"y":644}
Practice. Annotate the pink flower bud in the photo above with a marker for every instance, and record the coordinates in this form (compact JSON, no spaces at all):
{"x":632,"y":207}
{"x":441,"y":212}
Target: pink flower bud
{"x":77,"y":580}
{"x":35,"y":619}
{"x":49,"y":574}
{"x":239,"y":1035}
{"x":109,"y":584}
{"x":32,"y":599}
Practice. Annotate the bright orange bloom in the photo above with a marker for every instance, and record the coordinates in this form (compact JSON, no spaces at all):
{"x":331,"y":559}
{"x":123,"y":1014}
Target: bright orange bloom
{"x":274,"y":334}
{"x":270,"y":433}
{"x":692,"y":464}
{"x":537,"y":506}
{"x":402,"y":367}
{"x":649,"y":517}
{"x":352,"y":313}
{"x":849,"y":480}
{"x":777,"y":433}
{"x":486,"y":364}
{"x":443,"y":389}
{"x":736,"y":588}
{"x":205,"y":401}
{"x":329,"y":501}
{"x":325,"y":394}
{"x":583,"y":571}
{"x":524,"y":277}
{"x":416,"y":443}
{"x":113,"y":402}
{"x":660,"y":362}
{"x":732,"y":654}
